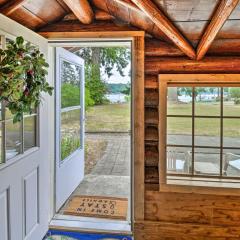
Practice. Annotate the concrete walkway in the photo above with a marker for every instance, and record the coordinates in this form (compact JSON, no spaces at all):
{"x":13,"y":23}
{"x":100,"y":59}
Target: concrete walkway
{"x":116,"y":160}
{"x":111,"y":175}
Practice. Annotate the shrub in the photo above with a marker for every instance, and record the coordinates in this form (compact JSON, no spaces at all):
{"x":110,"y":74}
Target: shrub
{"x":237,"y":100}
{"x":68,"y":146}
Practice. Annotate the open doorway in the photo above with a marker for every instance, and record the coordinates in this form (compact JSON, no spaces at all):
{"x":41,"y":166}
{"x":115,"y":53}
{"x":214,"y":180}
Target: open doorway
{"x":93,"y":132}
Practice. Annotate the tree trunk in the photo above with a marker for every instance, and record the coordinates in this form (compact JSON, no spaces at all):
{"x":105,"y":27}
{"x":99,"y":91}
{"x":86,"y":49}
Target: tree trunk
{"x":96,"y":56}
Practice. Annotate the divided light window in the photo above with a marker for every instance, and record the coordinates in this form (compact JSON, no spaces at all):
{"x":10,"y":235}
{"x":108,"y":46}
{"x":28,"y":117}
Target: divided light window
{"x":16,"y":138}
{"x":202,"y":129}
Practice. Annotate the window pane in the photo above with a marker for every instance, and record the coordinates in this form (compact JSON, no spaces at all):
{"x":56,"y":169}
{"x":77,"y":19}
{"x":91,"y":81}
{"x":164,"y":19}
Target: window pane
{"x":70,"y":132}
{"x":8,"y":114}
{"x":231,"y":162}
{"x":1,"y":111}
{"x":179,"y":101}
{"x":70,"y":88}
{"x":179,"y":160}
{"x":1,"y":143}
{"x":207,"y":101}
{"x":29,"y":132}
{"x":231,"y":102}
{"x":207,"y":161}
{"x":231,"y":133}
{"x":207,"y":132}
{"x":179,"y":131}
{"x":13,"y":139}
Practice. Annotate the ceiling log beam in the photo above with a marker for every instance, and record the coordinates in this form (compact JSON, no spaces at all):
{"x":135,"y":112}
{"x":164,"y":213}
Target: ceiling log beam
{"x":11,"y":6}
{"x":103,"y":16}
{"x":81,"y":9}
{"x":162,"y":22}
{"x":222,"y":13}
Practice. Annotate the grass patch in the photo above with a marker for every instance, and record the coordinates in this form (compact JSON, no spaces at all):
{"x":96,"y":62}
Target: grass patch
{"x":110,"y":117}
{"x":204,"y":126}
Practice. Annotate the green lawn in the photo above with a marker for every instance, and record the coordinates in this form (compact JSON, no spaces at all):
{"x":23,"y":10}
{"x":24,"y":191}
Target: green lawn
{"x":110,"y":117}
{"x":207,"y":126}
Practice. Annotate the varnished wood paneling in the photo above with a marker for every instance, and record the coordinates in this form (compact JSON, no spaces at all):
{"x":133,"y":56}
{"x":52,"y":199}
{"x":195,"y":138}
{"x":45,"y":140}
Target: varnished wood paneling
{"x":41,"y":8}
{"x":192,"y":208}
{"x":28,"y":19}
{"x":150,"y":230}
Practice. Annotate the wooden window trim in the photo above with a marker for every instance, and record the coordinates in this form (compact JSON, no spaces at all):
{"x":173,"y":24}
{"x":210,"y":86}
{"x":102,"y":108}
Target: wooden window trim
{"x":190,"y":184}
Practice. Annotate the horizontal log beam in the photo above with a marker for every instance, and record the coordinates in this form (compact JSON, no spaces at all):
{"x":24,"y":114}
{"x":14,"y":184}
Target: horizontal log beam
{"x":220,"y":47}
{"x":159,"y":48}
{"x":81,"y":9}
{"x":156,"y":65}
{"x":222,"y":13}
{"x":11,"y":6}
{"x":70,"y":29}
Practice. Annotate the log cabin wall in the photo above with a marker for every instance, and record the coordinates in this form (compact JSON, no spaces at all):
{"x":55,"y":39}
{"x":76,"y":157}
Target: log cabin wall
{"x":168,"y":216}
{"x":181,"y":216}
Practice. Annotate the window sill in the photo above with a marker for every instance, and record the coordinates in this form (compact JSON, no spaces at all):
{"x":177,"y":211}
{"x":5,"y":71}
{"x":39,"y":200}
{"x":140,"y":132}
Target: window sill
{"x":201,"y":186}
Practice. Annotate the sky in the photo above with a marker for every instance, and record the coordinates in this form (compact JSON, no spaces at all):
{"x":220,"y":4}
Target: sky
{"x":116,"y":77}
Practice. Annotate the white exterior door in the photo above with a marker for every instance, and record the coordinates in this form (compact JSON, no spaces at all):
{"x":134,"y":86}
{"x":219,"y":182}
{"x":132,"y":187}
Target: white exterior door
{"x":69,"y":124}
{"x":24,"y":160}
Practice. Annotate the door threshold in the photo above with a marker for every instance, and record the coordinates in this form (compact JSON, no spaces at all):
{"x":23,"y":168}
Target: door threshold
{"x":90,"y":225}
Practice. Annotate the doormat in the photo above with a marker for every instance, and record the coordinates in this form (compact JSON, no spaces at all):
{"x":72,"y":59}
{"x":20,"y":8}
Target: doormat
{"x":65,"y":235}
{"x":99,"y":207}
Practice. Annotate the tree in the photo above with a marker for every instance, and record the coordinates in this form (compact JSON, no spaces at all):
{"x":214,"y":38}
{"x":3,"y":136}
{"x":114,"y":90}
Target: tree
{"x":235,"y":94}
{"x":189,"y":91}
{"x":127,"y":90}
{"x":106,"y":58}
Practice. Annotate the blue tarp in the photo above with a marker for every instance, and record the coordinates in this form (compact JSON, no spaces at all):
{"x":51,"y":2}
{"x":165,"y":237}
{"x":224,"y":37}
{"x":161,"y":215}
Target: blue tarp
{"x":85,"y":236}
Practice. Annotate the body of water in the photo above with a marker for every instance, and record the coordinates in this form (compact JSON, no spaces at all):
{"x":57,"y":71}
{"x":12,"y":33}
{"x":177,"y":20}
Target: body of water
{"x":116,"y":98}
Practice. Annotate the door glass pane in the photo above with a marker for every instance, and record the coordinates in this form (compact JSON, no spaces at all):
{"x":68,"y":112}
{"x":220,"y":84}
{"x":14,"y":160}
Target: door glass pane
{"x":70,"y":88}
{"x":70,"y":132}
{"x":29,"y":132}
{"x":13,"y":139}
{"x":207,"y":101}
{"x":179,"y":101}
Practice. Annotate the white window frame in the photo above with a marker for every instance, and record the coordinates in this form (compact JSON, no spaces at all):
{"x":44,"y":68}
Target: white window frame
{"x":203,"y":185}
{"x":23,"y":153}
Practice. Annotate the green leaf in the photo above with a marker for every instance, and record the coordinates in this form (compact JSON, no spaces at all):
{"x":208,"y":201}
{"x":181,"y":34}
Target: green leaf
{"x":19,"y":40}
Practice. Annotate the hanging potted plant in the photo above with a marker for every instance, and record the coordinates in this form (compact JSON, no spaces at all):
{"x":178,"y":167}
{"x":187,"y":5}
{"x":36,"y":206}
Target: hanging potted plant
{"x":23,"y":71}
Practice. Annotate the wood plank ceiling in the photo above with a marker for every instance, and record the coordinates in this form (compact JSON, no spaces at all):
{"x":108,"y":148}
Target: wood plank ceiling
{"x":193,"y":26}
